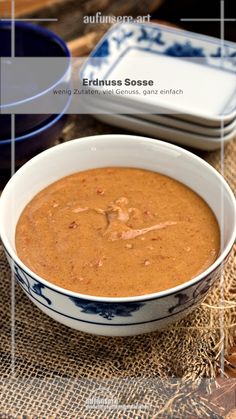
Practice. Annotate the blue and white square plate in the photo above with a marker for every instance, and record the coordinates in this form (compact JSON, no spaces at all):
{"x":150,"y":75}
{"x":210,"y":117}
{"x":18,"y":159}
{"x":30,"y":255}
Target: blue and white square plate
{"x":202,"y":67}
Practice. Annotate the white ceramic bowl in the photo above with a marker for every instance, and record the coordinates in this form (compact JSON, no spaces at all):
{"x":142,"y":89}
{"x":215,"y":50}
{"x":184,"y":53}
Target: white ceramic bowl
{"x":116,"y":316}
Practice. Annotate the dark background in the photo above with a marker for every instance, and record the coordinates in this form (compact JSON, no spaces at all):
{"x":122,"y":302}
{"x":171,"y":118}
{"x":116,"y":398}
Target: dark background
{"x":173,"y":11}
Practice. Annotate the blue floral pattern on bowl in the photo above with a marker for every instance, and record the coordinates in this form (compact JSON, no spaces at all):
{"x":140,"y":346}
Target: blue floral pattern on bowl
{"x":107,"y":310}
{"x":36,"y":287}
{"x":125,"y":318}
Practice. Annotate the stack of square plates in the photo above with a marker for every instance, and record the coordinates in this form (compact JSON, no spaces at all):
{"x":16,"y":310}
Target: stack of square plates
{"x":165,"y":83}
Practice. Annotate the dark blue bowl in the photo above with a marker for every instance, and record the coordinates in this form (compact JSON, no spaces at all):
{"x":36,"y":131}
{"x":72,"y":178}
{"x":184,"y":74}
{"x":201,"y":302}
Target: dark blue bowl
{"x":30,"y":144}
{"x":30,"y":41}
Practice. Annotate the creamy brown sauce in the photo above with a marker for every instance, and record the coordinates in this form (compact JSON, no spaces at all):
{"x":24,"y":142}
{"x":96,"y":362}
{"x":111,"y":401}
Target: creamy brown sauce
{"x":117,"y":232}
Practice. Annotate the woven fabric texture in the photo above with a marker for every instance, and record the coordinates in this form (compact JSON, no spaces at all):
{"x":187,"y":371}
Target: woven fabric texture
{"x":49,"y":370}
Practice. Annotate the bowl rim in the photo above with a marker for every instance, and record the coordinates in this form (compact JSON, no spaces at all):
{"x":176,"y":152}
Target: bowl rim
{"x":51,"y":36}
{"x":151,"y":296}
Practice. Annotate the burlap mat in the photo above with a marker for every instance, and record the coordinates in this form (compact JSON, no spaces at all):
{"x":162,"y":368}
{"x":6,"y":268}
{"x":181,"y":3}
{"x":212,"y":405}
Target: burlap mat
{"x":51,"y":371}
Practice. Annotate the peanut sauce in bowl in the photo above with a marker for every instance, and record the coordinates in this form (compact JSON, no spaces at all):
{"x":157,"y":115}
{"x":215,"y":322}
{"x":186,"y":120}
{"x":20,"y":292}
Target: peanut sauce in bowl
{"x":117,"y":235}
{"x":117,"y":232}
